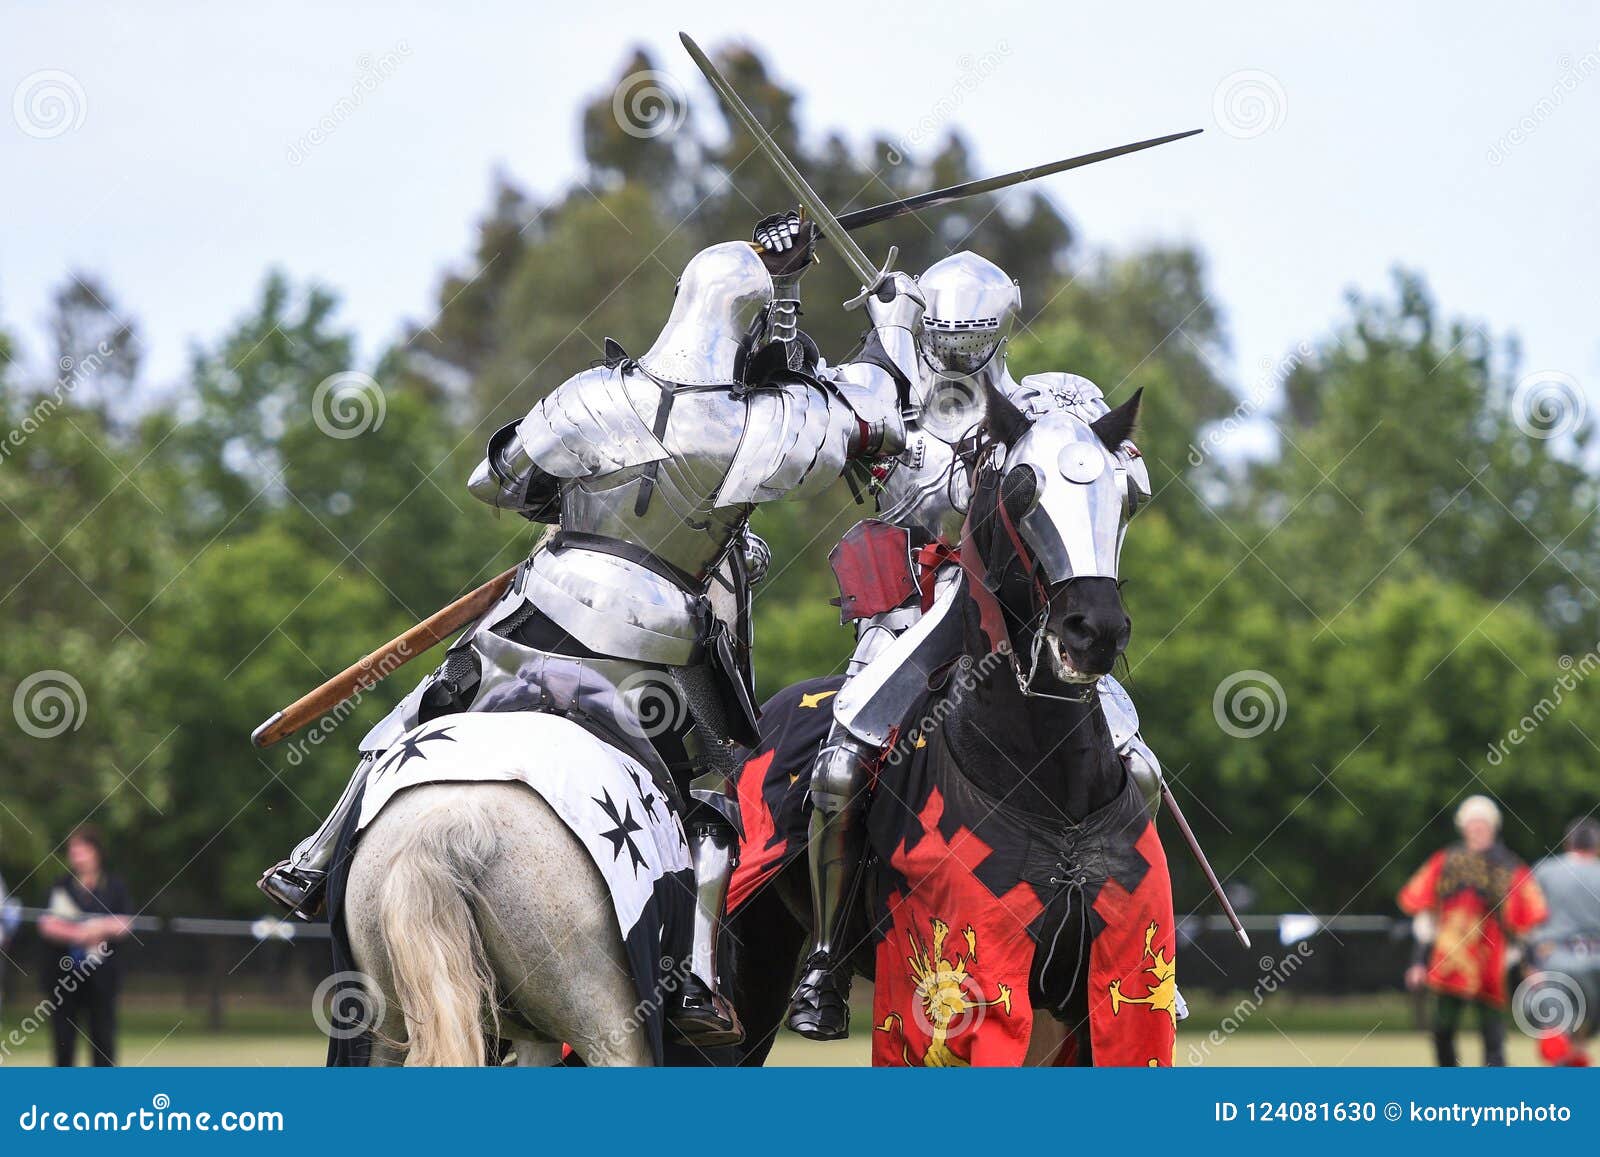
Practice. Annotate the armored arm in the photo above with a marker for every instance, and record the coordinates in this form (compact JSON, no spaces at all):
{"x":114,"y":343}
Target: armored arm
{"x":877,"y":385}
{"x":509,"y":479}
{"x":1141,"y":762}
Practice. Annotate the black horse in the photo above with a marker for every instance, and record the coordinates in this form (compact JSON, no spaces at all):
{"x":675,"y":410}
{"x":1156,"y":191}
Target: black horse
{"x":1010,"y":729}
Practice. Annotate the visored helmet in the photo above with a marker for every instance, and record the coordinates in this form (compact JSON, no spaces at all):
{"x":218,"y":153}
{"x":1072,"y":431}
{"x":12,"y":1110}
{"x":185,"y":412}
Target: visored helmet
{"x":972,"y":308}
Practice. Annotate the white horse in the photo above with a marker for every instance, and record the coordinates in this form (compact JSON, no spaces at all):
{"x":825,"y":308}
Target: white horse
{"x":466,"y":897}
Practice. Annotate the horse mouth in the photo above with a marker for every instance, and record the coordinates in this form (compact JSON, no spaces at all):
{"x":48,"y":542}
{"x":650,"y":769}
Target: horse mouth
{"x":1061,"y":666}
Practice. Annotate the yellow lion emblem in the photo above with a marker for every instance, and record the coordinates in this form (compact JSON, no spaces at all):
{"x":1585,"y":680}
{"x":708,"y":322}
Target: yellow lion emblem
{"x":942,"y":995}
{"x":1161,"y":994}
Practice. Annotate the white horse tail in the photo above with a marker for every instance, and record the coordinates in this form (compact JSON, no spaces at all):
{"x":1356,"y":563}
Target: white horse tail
{"x":442,"y":979}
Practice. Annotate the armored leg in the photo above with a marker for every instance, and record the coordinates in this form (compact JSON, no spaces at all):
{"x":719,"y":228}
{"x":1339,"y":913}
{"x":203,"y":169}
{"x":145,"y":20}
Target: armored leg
{"x":300,"y":883}
{"x":701,"y":1013}
{"x":820,"y":1006}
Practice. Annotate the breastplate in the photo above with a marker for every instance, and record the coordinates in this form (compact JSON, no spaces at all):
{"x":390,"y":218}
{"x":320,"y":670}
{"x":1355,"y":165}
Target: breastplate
{"x":617,"y":605}
{"x":927,"y":488}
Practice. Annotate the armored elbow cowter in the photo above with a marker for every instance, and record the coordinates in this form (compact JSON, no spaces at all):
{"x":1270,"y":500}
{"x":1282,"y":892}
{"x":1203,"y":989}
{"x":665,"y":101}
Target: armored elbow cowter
{"x":509,"y":479}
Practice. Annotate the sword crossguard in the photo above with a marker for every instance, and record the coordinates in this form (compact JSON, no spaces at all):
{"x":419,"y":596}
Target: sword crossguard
{"x":880,"y":283}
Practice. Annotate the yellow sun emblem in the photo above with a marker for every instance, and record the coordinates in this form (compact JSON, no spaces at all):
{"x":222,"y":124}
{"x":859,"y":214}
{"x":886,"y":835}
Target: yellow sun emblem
{"x":1161,"y":993}
{"x":942,"y":994}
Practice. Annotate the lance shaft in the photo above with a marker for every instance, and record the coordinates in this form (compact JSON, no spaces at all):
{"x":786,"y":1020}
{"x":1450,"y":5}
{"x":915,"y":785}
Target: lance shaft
{"x":1205,"y":865}
{"x":365,"y":674}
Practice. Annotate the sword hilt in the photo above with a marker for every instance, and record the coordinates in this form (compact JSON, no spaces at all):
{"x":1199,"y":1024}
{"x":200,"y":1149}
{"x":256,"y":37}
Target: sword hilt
{"x":881,"y":285}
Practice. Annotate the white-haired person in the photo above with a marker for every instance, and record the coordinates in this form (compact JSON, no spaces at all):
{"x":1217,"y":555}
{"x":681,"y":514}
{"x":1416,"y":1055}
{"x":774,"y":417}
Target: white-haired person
{"x":1480,"y":899}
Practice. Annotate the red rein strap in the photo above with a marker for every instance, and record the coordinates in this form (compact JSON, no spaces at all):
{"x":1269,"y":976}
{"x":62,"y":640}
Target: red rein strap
{"x":1040,"y":594}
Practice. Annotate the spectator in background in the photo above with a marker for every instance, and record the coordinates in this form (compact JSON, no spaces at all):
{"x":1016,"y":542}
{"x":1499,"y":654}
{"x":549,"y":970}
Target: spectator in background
{"x":87,"y":914}
{"x":10,"y":920}
{"x":1564,"y":987}
{"x":1481,"y":898}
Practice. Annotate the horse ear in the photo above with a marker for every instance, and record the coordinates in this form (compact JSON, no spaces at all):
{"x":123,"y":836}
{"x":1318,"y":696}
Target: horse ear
{"x":1006,"y":422}
{"x":1116,"y":426}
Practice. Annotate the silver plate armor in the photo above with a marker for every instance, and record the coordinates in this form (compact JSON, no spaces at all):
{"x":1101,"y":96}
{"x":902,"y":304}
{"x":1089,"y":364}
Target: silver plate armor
{"x":927,"y":487}
{"x":722,"y":291}
{"x":1076,"y":523}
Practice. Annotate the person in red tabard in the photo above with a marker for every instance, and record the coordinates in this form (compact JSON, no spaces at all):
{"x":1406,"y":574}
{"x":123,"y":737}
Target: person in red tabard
{"x":1480,"y":898}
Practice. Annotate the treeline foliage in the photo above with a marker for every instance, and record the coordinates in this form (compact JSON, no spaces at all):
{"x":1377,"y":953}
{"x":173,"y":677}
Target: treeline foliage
{"x":1397,"y":578}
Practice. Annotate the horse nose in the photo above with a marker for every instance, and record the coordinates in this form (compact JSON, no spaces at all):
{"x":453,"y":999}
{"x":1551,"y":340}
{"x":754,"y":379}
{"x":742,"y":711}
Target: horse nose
{"x":1096,"y":631}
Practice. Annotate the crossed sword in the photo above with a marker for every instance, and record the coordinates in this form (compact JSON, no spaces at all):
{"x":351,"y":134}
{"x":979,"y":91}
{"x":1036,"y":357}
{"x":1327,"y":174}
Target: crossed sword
{"x":367,"y":672}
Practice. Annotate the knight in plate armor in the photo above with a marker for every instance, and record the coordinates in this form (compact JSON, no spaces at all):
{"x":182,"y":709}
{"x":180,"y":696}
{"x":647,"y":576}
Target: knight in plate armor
{"x":632,"y":617}
{"x":922,"y":496}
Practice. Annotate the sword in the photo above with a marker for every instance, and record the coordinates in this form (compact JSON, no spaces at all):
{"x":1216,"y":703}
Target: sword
{"x":871,"y":277}
{"x":891,"y":209}
{"x":1205,"y":864}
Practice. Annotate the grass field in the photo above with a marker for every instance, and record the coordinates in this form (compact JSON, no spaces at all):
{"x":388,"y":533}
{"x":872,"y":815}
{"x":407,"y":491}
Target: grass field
{"x":184,"y":1043}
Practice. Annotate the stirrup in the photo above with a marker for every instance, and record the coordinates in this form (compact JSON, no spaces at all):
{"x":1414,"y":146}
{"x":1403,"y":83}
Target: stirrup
{"x":704,"y":1017}
{"x":820,"y":1006}
{"x":299,"y":891}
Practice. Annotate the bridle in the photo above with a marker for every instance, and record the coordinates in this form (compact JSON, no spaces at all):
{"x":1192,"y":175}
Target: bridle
{"x":1035,"y":624}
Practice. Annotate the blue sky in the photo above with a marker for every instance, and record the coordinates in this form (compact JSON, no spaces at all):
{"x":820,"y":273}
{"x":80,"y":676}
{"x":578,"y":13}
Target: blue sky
{"x":1456,"y":139}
